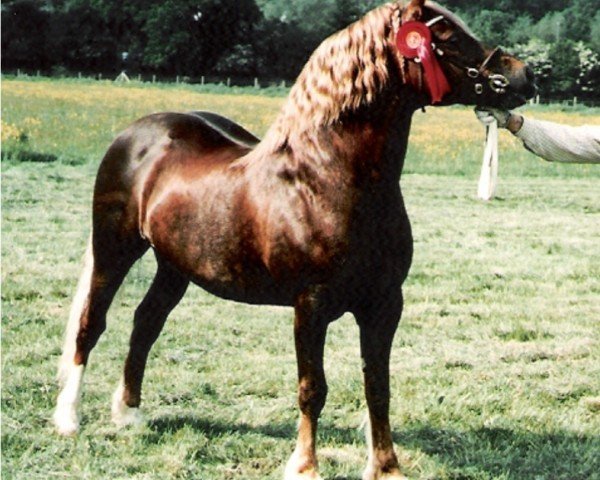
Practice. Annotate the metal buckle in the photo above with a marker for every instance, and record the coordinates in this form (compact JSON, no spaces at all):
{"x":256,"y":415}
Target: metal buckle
{"x":472,"y":72}
{"x":498,"y":82}
{"x":478,"y":88}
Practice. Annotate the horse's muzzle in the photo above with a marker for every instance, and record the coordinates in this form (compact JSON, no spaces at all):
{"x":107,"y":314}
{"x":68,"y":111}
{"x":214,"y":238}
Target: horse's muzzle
{"x":521,"y":88}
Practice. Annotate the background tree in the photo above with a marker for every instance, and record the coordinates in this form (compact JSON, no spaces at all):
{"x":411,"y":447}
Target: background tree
{"x":79,"y":39}
{"x":24,"y":31}
{"x":272,"y":39}
{"x":189,"y":37}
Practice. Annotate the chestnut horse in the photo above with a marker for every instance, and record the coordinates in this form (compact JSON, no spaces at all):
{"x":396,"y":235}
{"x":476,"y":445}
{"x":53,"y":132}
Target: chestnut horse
{"x":312,"y":216}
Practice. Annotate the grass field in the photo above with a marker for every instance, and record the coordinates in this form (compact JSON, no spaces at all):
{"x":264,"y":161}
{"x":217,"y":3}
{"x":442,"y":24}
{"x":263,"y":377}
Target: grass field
{"x":495,"y":368}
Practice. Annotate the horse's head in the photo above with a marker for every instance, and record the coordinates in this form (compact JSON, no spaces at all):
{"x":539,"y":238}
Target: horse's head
{"x":470,"y":73}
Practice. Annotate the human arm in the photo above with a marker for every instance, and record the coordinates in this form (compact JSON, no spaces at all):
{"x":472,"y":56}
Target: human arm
{"x":551,"y":141}
{"x":561,"y":143}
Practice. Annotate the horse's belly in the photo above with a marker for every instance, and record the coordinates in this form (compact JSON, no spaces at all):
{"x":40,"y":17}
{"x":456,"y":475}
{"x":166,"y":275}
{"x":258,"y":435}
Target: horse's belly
{"x":231,"y":274}
{"x":258,"y":293}
{"x":211,"y":253}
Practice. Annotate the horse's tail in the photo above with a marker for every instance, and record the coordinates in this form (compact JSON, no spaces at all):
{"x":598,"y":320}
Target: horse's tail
{"x":77,"y":307}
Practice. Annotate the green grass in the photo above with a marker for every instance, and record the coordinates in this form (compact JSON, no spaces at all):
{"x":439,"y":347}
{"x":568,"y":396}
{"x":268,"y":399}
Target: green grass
{"x":495,"y":367}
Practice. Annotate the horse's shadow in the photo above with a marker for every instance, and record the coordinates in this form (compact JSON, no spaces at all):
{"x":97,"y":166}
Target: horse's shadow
{"x":213,"y":428}
{"x":464,"y":454}
{"x":495,"y":452}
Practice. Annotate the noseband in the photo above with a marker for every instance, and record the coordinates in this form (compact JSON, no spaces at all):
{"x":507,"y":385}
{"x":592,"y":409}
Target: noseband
{"x":496,"y":81}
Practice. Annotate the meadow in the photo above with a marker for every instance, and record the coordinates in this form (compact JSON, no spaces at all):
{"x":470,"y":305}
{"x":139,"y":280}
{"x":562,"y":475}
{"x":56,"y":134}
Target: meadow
{"x":495,"y":367}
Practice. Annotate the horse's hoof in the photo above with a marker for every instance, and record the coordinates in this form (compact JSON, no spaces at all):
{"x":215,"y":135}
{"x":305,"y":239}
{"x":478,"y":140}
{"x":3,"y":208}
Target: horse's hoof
{"x":376,"y":474}
{"x":297,"y":470}
{"x":66,"y":421}
{"x":307,"y":475}
{"x":393,"y":476}
{"x":124,"y":416}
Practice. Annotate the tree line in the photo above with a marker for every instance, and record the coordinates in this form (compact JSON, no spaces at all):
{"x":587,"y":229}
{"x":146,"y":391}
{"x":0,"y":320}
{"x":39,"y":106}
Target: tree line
{"x":272,"y":39}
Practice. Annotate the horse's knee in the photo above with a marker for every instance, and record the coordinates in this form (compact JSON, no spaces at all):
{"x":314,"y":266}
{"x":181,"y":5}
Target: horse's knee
{"x":312,"y":395}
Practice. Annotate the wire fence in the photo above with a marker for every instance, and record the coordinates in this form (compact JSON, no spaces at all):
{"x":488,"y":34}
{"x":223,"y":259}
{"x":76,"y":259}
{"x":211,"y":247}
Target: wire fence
{"x":254,"y":82}
{"x":125,"y":77}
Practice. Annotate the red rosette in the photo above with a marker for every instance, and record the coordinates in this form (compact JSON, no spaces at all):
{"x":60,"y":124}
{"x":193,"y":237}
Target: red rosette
{"x":411,"y":36}
{"x":414,"y":41}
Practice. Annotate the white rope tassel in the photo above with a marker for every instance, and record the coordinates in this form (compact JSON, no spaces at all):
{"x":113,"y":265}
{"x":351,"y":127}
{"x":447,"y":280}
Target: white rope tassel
{"x":489,"y":168}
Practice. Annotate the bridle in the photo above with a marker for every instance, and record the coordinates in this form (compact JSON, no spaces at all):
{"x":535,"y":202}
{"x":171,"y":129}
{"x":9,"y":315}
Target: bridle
{"x":480,"y":75}
{"x":496,"y":81}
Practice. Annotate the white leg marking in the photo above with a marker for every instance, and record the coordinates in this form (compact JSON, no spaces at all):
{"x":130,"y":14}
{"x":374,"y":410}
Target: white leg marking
{"x":298,"y":461}
{"x":373,"y":471}
{"x":123,"y":415}
{"x":292,"y":469}
{"x":77,"y":307}
{"x":370,"y":472}
{"x":66,"y":417}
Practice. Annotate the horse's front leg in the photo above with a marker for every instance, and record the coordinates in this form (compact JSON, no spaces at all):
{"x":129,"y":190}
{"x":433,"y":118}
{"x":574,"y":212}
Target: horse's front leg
{"x":377,"y":329}
{"x":310,"y":328}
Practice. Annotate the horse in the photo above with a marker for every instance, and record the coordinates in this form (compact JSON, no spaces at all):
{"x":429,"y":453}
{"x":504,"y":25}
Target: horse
{"x":310,"y":217}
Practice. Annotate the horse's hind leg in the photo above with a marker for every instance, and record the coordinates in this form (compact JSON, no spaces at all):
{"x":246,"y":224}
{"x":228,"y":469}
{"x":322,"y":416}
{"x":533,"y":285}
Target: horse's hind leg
{"x":166,"y":291}
{"x":103,"y":273}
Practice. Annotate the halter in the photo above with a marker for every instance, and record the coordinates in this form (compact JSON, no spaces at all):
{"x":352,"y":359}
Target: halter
{"x":497,"y":82}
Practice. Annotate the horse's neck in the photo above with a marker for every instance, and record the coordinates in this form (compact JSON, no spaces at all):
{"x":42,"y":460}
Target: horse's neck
{"x":369,"y":143}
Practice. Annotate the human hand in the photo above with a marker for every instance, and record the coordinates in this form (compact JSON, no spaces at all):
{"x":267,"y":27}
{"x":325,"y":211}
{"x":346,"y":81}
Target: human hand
{"x":488,"y":115}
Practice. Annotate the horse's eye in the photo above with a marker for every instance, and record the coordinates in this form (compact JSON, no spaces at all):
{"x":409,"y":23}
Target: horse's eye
{"x":452,"y":40}
{"x":443,"y":31}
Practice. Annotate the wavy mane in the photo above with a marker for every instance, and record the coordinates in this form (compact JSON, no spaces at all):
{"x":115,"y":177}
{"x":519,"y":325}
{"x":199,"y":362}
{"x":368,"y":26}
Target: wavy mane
{"x":346,"y":71}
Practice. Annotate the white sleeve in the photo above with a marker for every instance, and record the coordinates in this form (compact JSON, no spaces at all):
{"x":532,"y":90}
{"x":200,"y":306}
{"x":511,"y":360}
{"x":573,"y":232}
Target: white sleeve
{"x":561,"y":143}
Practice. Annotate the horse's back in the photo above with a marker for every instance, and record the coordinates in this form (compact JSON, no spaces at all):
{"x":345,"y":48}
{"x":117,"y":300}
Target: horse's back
{"x":194,"y":138}
{"x":228,"y":128}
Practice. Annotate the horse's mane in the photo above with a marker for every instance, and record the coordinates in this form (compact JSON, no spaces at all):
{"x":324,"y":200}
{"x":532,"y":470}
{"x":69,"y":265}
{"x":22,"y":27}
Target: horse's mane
{"x":344,"y":72}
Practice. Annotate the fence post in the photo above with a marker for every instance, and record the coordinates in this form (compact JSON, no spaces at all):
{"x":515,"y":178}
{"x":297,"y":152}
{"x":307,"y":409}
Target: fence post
{"x":575,"y":101}
{"x":153,"y":78}
{"x":256,"y":85}
{"x":202,"y":80}
{"x":177,"y":79}
{"x":228,"y":82}
{"x":283,"y":83}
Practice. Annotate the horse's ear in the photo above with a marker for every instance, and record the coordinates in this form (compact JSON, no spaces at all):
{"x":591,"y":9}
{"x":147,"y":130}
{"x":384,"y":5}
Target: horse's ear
{"x":413,"y":11}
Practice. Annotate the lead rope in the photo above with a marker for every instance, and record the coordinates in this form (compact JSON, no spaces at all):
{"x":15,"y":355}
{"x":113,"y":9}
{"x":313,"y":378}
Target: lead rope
{"x":488,"y":179}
